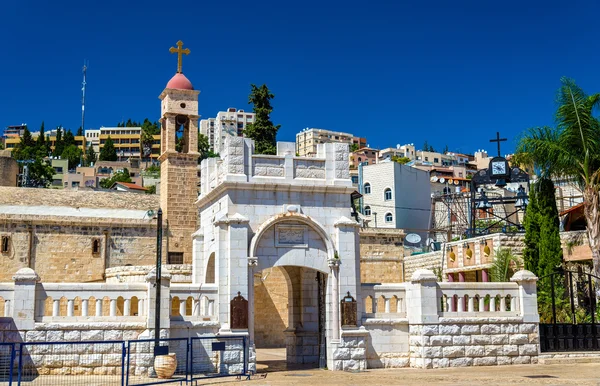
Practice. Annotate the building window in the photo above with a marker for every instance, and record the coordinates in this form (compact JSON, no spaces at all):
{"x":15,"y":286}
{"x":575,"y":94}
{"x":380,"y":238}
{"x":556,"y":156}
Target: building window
{"x":96,"y":247}
{"x":5,"y":244}
{"x":388,"y":217}
{"x":175,"y":258}
{"x":436,"y":160}
{"x":359,"y":159}
{"x":387,"y":195}
{"x":367,"y":188}
{"x":367,"y":210}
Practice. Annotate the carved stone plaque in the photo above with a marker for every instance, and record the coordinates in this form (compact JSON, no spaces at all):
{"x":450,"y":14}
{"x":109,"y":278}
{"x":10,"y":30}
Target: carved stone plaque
{"x":239,"y":312}
{"x":293,"y":236}
{"x":349,"y":311}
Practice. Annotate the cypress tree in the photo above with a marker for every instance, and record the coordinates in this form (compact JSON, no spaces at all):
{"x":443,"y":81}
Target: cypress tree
{"x":262,"y":131}
{"x":108,"y":152}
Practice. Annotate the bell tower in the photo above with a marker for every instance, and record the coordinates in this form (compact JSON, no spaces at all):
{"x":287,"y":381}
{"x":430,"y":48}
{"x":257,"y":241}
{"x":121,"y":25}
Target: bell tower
{"x":179,"y":163}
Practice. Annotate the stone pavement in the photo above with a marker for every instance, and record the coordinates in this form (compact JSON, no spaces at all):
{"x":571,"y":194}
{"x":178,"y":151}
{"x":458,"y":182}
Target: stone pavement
{"x":272,"y":362}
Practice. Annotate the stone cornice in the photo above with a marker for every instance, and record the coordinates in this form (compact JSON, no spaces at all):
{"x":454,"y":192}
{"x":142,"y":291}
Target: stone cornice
{"x":345,"y":222}
{"x":231,"y":219}
{"x":279,"y":186}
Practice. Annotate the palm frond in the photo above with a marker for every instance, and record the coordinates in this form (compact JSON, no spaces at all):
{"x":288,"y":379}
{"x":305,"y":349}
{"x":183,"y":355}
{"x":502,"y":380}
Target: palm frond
{"x":505,"y":265}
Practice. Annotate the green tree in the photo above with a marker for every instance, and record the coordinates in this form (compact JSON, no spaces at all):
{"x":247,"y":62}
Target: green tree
{"x":68,"y":138}
{"x":119,"y":176}
{"x":151,"y":189}
{"x":426,"y":146}
{"x":204,"y":148}
{"x":505,"y":265}
{"x":26,"y":139}
{"x":73,"y":154}
{"x":262,"y":131}
{"x":147,"y":138}
{"x":41,"y":140}
{"x":572,"y":148}
{"x":59,"y":144}
{"x":401,"y":160}
{"x":531,"y":253}
{"x":108,"y":152}
{"x":40,"y":173}
{"x":446,"y":149}
{"x":354,"y":147}
{"x":90,"y":156}
{"x":79,"y":132}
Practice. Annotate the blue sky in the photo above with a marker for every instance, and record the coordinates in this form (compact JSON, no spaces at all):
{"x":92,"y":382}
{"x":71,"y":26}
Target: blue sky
{"x":396,"y":72}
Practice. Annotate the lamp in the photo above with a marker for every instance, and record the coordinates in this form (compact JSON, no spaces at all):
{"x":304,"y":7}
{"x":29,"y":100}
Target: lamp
{"x":483,"y":202}
{"x":522,"y":198}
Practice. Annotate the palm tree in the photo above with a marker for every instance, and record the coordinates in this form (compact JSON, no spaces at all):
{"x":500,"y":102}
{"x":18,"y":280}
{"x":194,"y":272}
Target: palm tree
{"x":505,"y":265}
{"x":571,"y":149}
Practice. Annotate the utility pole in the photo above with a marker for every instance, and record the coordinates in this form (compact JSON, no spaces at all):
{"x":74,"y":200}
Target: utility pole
{"x":83,"y":84}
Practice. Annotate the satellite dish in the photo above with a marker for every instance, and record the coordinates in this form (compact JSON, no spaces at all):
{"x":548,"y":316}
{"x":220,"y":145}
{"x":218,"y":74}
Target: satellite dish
{"x":413,"y":238}
{"x":442,"y":180}
{"x":433,"y":179}
{"x":450,"y":181}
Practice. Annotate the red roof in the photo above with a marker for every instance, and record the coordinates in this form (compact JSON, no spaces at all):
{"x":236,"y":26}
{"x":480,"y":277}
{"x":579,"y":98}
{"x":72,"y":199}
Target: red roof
{"x":179,"y":81}
{"x":572,"y":209}
{"x":129,"y":185}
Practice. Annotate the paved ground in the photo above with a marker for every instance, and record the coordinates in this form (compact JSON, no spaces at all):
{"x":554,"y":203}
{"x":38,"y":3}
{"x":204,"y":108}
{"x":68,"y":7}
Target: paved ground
{"x":558,"y":374}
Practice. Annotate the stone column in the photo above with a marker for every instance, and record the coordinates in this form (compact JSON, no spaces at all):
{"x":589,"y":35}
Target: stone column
{"x":334,"y":265}
{"x":461,"y":277}
{"x":198,"y":262}
{"x":528,"y":307}
{"x":24,"y":298}
{"x":484,"y":276}
{"x":165,"y":301}
{"x":450,"y":277}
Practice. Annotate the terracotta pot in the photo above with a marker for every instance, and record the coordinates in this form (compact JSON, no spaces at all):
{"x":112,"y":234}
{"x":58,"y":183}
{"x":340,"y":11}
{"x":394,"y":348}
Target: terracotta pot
{"x":165,"y":365}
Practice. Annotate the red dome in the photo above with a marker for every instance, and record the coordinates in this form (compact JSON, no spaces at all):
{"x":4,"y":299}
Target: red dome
{"x":179,"y":81}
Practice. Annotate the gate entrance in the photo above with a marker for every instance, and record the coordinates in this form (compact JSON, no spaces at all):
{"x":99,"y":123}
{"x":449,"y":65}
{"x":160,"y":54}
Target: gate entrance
{"x":289,"y":318}
{"x":568,"y":312}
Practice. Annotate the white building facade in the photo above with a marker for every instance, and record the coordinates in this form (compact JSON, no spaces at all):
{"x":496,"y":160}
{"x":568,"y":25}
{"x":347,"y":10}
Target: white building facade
{"x":230,"y":123}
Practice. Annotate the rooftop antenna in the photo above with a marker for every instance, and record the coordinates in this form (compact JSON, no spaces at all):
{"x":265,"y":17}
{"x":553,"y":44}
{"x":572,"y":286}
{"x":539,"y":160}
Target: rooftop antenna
{"x":83,"y":84}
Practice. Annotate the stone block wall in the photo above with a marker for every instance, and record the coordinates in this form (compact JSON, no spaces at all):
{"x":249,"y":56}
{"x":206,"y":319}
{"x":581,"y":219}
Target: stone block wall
{"x":474,"y":342}
{"x":350,"y":353}
{"x":381,"y":255}
{"x":431,"y":260}
{"x":270,"y":308}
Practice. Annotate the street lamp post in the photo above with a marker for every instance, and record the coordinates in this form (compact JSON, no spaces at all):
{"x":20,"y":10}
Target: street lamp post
{"x":158,"y":350}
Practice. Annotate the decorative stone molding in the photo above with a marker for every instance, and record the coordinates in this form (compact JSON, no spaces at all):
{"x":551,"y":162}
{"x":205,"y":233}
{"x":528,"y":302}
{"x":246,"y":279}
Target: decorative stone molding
{"x":423,"y":275}
{"x":231,"y":219}
{"x":198,"y":235}
{"x":345,"y":222}
{"x":26,"y":274}
{"x":164,"y":275}
{"x":524,"y":275}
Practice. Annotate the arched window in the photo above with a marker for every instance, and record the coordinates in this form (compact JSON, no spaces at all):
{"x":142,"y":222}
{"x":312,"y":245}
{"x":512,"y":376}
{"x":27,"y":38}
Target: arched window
{"x":389,"y":217}
{"x":387,"y":194}
{"x":96,"y":246}
{"x":367,"y":210}
{"x":359,"y":159}
{"x":367,"y":188}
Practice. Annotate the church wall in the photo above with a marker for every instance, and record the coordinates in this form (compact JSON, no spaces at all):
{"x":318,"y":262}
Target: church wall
{"x":61,"y":250}
{"x":381,"y":255}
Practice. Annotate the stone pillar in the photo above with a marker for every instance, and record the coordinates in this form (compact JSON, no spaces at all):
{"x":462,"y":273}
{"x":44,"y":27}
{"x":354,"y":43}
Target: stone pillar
{"x":450,"y":277}
{"x":461,"y":277}
{"x":528,"y":307}
{"x":334,"y":265}
{"x":198,"y":274}
{"x":423,"y":317}
{"x":24,"y":298}
{"x":165,"y":302}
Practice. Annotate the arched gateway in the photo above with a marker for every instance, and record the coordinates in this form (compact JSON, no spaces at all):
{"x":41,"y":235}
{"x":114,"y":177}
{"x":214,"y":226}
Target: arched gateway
{"x":277,"y":230}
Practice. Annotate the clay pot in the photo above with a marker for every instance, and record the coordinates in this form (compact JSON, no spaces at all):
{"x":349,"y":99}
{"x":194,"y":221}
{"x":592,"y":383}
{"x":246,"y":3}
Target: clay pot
{"x":165,"y":365}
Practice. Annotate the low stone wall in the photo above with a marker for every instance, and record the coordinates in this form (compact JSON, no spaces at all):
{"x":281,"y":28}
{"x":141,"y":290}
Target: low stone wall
{"x":180,"y":273}
{"x":431,"y":260}
{"x":473,"y":342}
{"x":388,"y":343}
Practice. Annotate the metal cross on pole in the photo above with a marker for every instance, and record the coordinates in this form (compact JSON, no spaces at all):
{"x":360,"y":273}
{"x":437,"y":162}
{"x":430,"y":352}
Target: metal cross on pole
{"x":179,"y":51}
{"x":498,"y":140}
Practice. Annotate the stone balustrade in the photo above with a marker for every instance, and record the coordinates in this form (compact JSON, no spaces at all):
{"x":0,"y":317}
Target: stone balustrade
{"x":90,"y":301}
{"x":193,"y":301}
{"x":384,"y":300}
{"x":478,"y":299}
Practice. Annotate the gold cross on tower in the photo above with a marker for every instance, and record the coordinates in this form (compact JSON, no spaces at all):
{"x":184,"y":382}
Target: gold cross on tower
{"x":179,"y":51}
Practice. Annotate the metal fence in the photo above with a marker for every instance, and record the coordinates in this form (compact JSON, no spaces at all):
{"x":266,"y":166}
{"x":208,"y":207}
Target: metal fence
{"x":122,"y":363}
{"x":93,"y":363}
{"x":7,"y":363}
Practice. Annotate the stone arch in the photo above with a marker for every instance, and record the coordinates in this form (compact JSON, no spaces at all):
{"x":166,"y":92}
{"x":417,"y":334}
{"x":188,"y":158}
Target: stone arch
{"x":292,"y":217}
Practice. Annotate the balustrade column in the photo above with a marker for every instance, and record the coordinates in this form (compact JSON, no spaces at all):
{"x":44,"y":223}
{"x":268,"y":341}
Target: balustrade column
{"x":55,"y":307}
{"x":513,"y":303}
{"x":98,"y":307}
{"x":182,"y":307}
{"x":461,"y":304}
{"x":481,"y":303}
{"x":449,"y":302}
{"x":502,"y":304}
{"x":7,"y":308}
{"x":471,"y":304}
{"x":141,"y":307}
{"x":492,"y":303}
{"x":70,"y":307}
{"x":387,"y":306}
{"x":127,"y":307}
{"x":84,"y":307}
{"x":113,"y":307}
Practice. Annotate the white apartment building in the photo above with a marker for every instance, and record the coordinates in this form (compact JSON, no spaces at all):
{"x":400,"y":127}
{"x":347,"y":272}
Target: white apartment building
{"x":308,"y":139}
{"x":396,"y":196}
{"x":230,"y":123}
{"x":93,"y":136}
{"x":407,"y":151}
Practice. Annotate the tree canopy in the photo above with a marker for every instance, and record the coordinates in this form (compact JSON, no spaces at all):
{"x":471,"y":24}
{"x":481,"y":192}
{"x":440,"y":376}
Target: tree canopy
{"x":108,"y":152}
{"x":33,"y":153}
{"x":262,"y":130}
{"x":119,"y":176}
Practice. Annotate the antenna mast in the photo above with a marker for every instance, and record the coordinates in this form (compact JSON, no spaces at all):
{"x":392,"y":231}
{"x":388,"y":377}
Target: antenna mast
{"x":83,"y":96}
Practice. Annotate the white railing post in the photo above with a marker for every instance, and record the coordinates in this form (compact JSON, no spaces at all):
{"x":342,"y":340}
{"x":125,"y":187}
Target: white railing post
{"x":23,"y":307}
{"x":513,"y":304}
{"x":113,"y":307}
{"x":98,"y":307}
{"x":7,"y":308}
{"x":461,"y":303}
{"x":471,"y":304}
{"x":528,"y":307}
{"x":127,"y":307}
{"x":492,"y":303}
{"x":84,"y":307}
{"x":55,"y":307}
{"x":502,"y":303}
{"x":196,"y":307}
{"x":182,"y":306}
{"x":70,"y":307}
{"x":481,"y":303}
{"x":141,"y":307}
